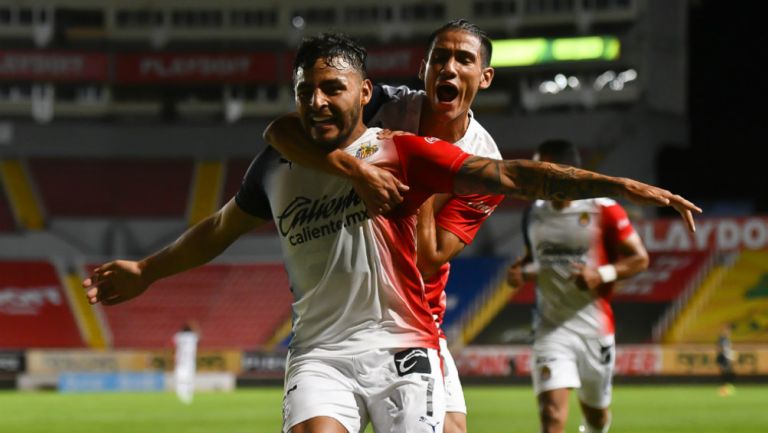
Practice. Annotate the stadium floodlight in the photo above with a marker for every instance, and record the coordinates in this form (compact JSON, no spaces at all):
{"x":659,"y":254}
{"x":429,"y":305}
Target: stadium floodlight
{"x":536,"y":51}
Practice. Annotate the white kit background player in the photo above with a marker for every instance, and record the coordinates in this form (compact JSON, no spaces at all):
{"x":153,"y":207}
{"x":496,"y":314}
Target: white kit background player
{"x":364,"y":341}
{"x":455,"y":68}
{"x":576,"y":250}
{"x":184,"y":357}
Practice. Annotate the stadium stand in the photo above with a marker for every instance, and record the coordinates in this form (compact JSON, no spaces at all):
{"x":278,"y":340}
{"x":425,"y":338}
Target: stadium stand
{"x":7,"y":222}
{"x":34,"y":308}
{"x":738,"y":296}
{"x":105,"y":187}
{"x":235,"y":305}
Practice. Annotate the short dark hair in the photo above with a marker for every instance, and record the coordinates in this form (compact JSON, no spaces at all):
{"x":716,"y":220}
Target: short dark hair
{"x":464,"y":25}
{"x":331,"y":47}
{"x":559,"y":151}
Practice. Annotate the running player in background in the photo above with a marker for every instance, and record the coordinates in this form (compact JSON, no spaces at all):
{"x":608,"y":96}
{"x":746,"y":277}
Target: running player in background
{"x":576,"y":250}
{"x":724,"y":359}
{"x":364,"y":343}
{"x":456,"y":67}
{"x":184,"y":357}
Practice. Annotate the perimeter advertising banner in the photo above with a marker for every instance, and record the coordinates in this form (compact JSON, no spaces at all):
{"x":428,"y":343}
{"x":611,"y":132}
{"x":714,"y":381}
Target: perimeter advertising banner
{"x":721,"y":234}
{"x":207,"y":360}
{"x":53,"y":66}
{"x":631,"y":360}
{"x":63,"y":361}
{"x":700,"y":360}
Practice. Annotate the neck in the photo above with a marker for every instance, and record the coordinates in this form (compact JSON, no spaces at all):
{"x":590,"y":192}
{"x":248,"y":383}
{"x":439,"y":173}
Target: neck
{"x":353,"y":136}
{"x":451,"y":131}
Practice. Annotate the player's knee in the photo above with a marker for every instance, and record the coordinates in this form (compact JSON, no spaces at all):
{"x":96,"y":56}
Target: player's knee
{"x":455,"y":422}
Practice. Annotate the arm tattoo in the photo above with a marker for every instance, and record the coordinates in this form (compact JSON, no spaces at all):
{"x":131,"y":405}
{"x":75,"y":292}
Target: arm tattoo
{"x":532,"y":180}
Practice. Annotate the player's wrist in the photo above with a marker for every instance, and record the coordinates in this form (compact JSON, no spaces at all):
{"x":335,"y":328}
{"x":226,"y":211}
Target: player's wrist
{"x":608,"y":273}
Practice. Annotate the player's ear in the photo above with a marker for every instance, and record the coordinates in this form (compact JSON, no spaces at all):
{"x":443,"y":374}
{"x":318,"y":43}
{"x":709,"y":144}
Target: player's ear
{"x":366,"y":91}
{"x":422,"y":69}
{"x":486,"y":77}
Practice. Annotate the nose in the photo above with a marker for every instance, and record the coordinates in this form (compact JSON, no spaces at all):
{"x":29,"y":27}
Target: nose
{"x":449,"y":67}
{"x":319,"y":100}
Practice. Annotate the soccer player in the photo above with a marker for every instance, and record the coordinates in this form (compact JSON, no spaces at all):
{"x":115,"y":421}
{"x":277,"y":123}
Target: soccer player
{"x":456,"y":67}
{"x":364,"y":344}
{"x":185,"y":353}
{"x":724,"y":359}
{"x":576,"y":250}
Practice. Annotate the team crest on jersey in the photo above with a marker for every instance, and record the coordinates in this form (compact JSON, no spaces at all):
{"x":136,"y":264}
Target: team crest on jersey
{"x":584,"y":219}
{"x":366,"y":150}
{"x":431,"y":140}
{"x":546,"y":373}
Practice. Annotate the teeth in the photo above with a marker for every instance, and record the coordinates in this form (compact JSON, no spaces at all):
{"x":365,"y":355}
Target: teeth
{"x":321,"y":118}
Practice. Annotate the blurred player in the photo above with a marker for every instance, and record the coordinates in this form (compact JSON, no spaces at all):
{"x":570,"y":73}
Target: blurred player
{"x":456,"y":67}
{"x":364,"y":344}
{"x":576,"y":250}
{"x":724,"y":359}
{"x":185,"y":354}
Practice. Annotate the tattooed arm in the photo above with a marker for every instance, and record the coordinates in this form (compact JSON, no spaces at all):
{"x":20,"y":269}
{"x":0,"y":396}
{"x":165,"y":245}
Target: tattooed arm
{"x":543,"y":180}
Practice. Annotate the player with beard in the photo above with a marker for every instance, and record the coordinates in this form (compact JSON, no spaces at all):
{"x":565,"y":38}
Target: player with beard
{"x":456,"y":67}
{"x":364,"y":344}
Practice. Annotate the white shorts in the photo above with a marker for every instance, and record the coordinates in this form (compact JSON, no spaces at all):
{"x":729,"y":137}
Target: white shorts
{"x":563,"y":359}
{"x":454,"y":394}
{"x":394,"y":389}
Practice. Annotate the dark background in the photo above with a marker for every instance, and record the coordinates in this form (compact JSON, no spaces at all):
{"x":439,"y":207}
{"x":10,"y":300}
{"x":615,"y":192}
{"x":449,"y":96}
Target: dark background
{"x":724,"y":169}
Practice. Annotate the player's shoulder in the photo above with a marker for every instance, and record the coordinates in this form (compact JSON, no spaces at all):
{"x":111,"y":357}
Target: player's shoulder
{"x":477,"y":141}
{"x":605,"y":202}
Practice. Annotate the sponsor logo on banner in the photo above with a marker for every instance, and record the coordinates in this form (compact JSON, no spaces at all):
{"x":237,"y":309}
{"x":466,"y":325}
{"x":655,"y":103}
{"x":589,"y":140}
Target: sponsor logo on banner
{"x":197,"y":67}
{"x":264,"y":363}
{"x":55,"y":66}
{"x":504,"y":361}
{"x":393,"y":62}
{"x":12,"y":362}
{"x":711,"y":234}
{"x":703,"y":361}
{"x":205,"y":361}
{"x":29,"y":300}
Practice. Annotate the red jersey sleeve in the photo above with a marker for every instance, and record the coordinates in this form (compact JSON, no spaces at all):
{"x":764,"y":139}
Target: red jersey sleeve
{"x":463,"y":215}
{"x":428,"y":163}
{"x":616,"y":225}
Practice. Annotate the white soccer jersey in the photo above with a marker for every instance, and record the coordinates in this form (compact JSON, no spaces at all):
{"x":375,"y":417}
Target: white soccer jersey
{"x":354,"y":279}
{"x":399,"y":108}
{"x":587,"y":232}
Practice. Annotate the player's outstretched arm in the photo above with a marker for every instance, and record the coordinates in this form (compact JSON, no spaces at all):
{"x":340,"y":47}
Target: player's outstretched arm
{"x":543,"y":180}
{"x":121,"y":280}
{"x":379,"y":189}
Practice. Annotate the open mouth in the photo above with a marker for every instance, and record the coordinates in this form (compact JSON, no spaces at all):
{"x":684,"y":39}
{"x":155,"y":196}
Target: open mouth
{"x":446,"y":92}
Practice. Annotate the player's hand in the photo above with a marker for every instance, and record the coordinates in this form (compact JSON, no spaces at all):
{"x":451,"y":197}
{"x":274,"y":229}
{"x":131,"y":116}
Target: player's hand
{"x":379,"y":189}
{"x":645,"y":194}
{"x":586,"y":277}
{"x":515,"y":274}
{"x":388,"y":133}
{"x":115,"y":282}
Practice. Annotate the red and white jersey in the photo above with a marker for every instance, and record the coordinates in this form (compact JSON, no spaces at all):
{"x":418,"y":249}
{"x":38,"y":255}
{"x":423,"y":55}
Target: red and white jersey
{"x":355,"y":280}
{"x":399,"y":108}
{"x":587,"y":232}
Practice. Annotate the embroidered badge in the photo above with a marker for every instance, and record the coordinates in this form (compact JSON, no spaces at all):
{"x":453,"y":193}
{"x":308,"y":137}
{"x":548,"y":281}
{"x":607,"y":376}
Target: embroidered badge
{"x":366,"y":150}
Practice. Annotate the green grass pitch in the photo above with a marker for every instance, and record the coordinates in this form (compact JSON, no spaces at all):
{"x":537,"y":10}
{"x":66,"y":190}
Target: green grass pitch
{"x":636,"y":409}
